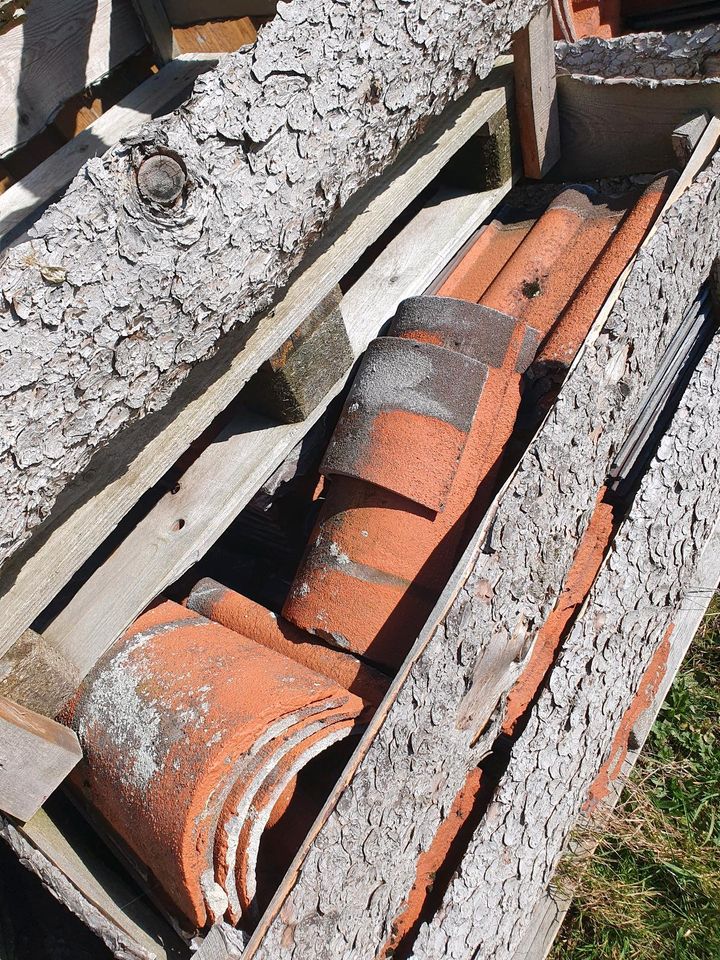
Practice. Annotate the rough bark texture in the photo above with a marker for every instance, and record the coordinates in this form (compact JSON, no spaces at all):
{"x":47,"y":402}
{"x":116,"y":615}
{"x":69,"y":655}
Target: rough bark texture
{"x":116,"y":297}
{"x":516,"y":848}
{"x":356,"y":875}
{"x":647,"y":58}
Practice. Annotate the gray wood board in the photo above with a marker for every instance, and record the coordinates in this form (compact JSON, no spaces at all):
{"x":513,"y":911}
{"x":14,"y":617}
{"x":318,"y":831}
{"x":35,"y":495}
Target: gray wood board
{"x":617,"y":128}
{"x":55,"y":51}
{"x":117,"y":297}
{"x":645,"y":578}
{"x":58,"y":848}
{"x":444,"y":709}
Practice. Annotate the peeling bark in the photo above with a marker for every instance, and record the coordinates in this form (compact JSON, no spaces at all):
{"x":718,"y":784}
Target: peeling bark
{"x":450,"y":699}
{"x":571,"y":732}
{"x":646,"y":59}
{"x":122,"y":290}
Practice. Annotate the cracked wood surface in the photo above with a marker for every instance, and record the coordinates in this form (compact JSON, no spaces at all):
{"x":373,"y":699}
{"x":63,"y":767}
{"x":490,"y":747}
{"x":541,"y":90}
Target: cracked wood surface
{"x":628,"y":615}
{"x":446,"y":706}
{"x":114,"y":299}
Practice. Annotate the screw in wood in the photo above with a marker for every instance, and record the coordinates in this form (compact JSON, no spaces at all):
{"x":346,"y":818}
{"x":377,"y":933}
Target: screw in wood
{"x":160,"y":179}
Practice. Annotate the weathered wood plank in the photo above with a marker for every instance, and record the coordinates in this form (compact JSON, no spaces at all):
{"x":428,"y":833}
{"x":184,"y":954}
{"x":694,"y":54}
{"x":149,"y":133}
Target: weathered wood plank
{"x":156,"y":24}
{"x":617,"y":129}
{"x":443,"y":712}
{"x":36,"y":754}
{"x":536,"y":95}
{"x":549,"y":913}
{"x":123,"y":290}
{"x":160,"y":93}
{"x":57,"y":847}
{"x":59,"y":47}
{"x":624,"y":627}
{"x":685,"y":137}
{"x":36,"y":675}
{"x":226,"y":475}
{"x":124,"y":473}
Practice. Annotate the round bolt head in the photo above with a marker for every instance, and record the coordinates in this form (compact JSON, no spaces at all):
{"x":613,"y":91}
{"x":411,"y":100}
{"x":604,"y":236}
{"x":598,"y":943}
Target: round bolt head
{"x":160,"y":179}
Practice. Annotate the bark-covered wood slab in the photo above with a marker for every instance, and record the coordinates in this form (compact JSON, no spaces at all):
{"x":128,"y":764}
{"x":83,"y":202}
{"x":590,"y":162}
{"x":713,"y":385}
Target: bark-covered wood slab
{"x":443,"y":712}
{"x":167,"y":242}
{"x":624,"y":629}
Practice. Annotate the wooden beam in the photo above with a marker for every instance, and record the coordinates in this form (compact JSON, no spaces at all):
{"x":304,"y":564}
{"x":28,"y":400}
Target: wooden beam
{"x":36,"y":675}
{"x":447,"y":703}
{"x":623,"y":630}
{"x":551,"y":909}
{"x":256,"y":166}
{"x":154,"y":19}
{"x":536,"y":94}
{"x":162,"y":92}
{"x":686,"y":136}
{"x":55,"y":51}
{"x":36,"y":754}
{"x":150,"y":449}
{"x":226,"y":475}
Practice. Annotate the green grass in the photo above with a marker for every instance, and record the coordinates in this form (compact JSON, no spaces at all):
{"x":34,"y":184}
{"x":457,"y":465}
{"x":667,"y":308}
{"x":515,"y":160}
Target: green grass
{"x":651,"y":890}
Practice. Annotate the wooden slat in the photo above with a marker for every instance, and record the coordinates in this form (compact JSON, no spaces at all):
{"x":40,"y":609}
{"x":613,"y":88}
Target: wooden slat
{"x":20,"y":203}
{"x":189,"y":519}
{"x":144,"y":453}
{"x":536,"y":95}
{"x":36,"y":754}
{"x":623,"y":631}
{"x":154,"y":19}
{"x":445,"y":708}
{"x":223,"y":37}
{"x":59,"y":48}
{"x":551,"y":910}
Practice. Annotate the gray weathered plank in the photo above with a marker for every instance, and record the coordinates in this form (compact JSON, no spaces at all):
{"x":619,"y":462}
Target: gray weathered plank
{"x":29,"y":581}
{"x":158,"y":94}
{"x":222,"y":480}
{"x":36,"y":754}
{"x":536,"y":94}
{"x":445,"y":707}
{"x":156,"y":24}
{"x":117,"y":296}
{"x":58,"y":48}
{"x":624,"y":624}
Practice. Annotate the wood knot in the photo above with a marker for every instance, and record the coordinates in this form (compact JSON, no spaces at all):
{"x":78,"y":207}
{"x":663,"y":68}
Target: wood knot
{"x":161,"y":179}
